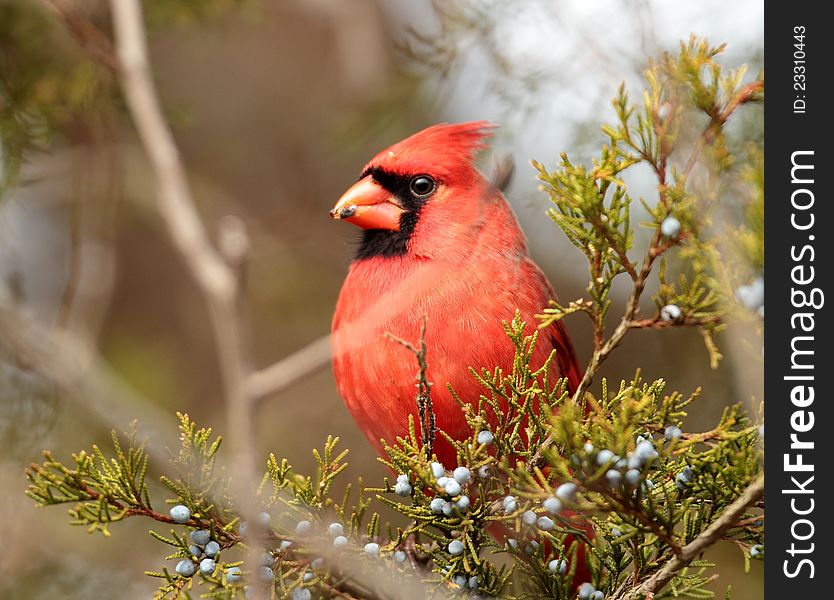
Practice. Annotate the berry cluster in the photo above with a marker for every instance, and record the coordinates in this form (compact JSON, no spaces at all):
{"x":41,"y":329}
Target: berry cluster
{"x":588,"y":592}
{"x":627,"y":473}
{"x":450,"y":486}
{"x":553,"y":505}
{"x":684,"y":477}
{"x":462,"y":582}
{"x":621,"y":471}
{"x":203,"y":551}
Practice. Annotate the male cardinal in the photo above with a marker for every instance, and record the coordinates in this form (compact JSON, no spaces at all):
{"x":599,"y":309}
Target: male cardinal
{"x":440,"y":242}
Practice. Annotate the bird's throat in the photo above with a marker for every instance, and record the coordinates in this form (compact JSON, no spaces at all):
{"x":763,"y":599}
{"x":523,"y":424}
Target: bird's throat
{"x":386,"y":243}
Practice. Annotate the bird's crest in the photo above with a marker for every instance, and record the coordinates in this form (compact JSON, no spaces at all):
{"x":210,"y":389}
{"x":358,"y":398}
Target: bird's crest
{"x":445,"y":147}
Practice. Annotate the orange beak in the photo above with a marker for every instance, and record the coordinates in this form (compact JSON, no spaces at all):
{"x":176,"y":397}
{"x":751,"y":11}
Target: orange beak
{"x":369,"y":205}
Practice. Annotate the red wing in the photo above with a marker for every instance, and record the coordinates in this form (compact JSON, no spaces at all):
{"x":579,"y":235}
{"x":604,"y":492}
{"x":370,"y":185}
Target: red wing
{"x":565,"y":355}
{"x":557,"y":334}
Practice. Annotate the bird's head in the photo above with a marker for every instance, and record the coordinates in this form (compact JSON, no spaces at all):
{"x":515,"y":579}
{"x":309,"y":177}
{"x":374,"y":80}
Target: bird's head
{"x":424,"y":180}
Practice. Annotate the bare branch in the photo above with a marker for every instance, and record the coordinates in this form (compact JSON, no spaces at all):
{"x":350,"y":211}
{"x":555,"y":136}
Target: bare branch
{"x":289,"y":370}
{"x":175,"y":200}
{"x":657,"y":323}
{"x":425,"y":409}
{"x":217,"y":278}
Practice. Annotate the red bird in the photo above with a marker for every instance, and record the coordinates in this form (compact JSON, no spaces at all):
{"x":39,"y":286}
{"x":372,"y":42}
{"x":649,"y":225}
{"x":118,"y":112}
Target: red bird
{"x":439,"y":241}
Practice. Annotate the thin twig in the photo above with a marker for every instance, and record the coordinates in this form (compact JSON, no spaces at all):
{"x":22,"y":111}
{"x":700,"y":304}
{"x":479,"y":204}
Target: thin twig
{"x":425,"y":409}
{"x":748,"y":93}
{"x":655,"y":528}
{"x":657,"y":323}
{"x":656,"y":248}
{"x":284,"y":373}
{"x":625,"y":262}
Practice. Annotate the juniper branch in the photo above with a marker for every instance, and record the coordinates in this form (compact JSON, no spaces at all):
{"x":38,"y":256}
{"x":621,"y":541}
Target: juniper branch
{"x":656,"y":248}
{"x":749,"y":93}
{"x":729,"y":518}
{"x":35,"y":472}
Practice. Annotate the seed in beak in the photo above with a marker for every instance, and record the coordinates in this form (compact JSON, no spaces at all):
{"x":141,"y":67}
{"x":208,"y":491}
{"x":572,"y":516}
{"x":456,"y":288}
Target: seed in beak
{"x":347,"y":211}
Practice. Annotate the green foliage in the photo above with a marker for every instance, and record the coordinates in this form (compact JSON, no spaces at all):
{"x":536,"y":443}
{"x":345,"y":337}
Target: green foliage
{"x":198,"y":482}
{"x":45,"y":85}
{"x":55,"y":88}
{"x":103,"y":490}
{"x":636,"y":527}
{"x":598,"y":226}
{"x":640,"y":526}
{"x":686,"y":92}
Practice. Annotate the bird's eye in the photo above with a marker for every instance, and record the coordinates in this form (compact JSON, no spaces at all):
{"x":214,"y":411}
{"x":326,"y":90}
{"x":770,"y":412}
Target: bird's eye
{"x":422,"y":185}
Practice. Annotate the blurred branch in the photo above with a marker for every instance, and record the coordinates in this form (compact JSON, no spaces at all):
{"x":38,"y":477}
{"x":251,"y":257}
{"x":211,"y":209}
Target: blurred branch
{"x":71,"y":364}
{"x":219,"y":273}
{"x":175,"y":199}
{"x":218,"y":279}
{"x":281,"y":375}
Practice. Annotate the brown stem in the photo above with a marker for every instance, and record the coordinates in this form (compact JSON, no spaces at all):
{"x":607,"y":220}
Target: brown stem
{"x":657,"y":323}
{"x":137,"y":510}
{"x":289,"y":370}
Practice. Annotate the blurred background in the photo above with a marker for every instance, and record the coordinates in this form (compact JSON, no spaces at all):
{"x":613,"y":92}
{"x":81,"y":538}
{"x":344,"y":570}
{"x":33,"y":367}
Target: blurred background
{"x":275,"y":107}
